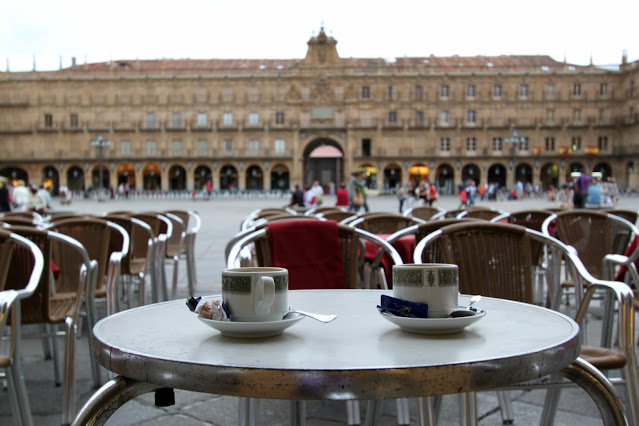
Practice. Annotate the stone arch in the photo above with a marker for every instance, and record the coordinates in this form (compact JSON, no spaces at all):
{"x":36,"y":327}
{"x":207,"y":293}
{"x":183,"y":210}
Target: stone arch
{"x":323,"y":162}
{"x":280,"y":177}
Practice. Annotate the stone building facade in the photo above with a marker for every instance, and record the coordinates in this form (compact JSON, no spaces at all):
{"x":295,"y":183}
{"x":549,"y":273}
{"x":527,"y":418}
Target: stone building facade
{"x":266,"y":124}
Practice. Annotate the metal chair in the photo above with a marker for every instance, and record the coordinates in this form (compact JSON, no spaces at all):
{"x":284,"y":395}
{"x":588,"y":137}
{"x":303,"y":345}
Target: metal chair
{"x":192,"y":223}
{"x":350,"y":250}
{"x":424,"y":212}
{"x":57,"y":300}
{"x":481,"y":213}
{"x":495,"y":260}
{"x":135,"y":263}
{"x":15,"y":248}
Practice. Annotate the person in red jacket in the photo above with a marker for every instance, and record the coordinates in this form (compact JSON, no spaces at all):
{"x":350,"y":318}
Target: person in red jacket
{"x":342,"y":195}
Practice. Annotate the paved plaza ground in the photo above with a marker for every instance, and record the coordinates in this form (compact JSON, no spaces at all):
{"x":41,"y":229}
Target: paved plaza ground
{"x":221,"y":219}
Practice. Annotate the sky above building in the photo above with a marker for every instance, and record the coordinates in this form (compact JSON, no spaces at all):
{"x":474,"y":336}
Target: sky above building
{"x":50,"y":33}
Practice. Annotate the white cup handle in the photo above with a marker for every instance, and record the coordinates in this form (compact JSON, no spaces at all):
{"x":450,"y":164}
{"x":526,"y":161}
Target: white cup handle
{"x":264,"y":295}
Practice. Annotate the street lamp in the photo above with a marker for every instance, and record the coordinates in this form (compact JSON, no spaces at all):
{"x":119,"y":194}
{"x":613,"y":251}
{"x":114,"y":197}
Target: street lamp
{"x":515,"y":139}
{"x":100,"y":143}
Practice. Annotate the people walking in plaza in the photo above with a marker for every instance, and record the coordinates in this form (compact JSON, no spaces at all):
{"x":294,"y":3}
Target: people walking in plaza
{"x":357,"y":192}
{"x":342,"y":196}
{"x":318,"y":191}
{"x":463,"y":196}
{"x":581,"y":182}
{"x":5,"y":200}
{"x":36,"y":202}
{"x":297,"y":197}
{"x":20,"y":196}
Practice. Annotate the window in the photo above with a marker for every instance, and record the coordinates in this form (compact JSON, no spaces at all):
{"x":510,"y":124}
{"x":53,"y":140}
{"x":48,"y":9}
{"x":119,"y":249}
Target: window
{"x":176,"y":147}
{"x":279,"y":118}
{"x":523,"y":91}
{"x":228,"y":146}
{"x":366,"y":147}
{"x":576,"y":90}
{"x":125,"y":148}
{"x":48,"y":120}
{"x":392,"y":116}
{"x":227,"y":119}
{"x":150,"y":120}
{"x":366,"y":92}
{"x":498,"y":144}
{"x":151,"y":147}
{"x":576,"y":143}
{"x":73,"y":120}
{"x":576,"y":115}
{"x":602,"y":143}
{"x":471,"y":144}
{"x":254,"y":146}
{"x":603,"y":89}
{"x":471,"y":117}
{"x":444,"y":91}
{"x":254,"y":118}
{"x":550,"y":91}
{"x":176,"y":119}
{"x":550,"y":143}
{"x":389,"y":92}
{"x":602,"y":115}
{"x":497,"y":91}
{"x":470,"y":91}
{"x":523,"y":143}
{"x":419,"y":117}
{"x":202,"y":119}
{"x":202,"y":147}
{"x":550,"y":116}
{"x":444,"y":144}
{"x":444,"y":118}
{"x":280,"y":146}
{"x":419,"y":92}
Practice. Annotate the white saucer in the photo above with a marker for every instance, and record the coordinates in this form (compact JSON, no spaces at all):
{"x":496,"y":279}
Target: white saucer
{"x":252,"y":330}
{"x":433,"y":325}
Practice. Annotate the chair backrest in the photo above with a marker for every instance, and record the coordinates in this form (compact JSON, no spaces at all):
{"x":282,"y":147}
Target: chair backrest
{"x":175,"y":243}
{"x":423,"y":212}
{"x":593,"y":234}
{"x":628,"y":214}
{"x":310,"y":256}
{"x":57,"y":249}
{"x":95,"y":235}
{"x":481,"y":213}
{"x":140,"y":234}
{"x":494,"y":259}
{"x":384,"y":223}
{"x":34,"y":216}
{"x":336,"y":215}
{"x":18,"y":220}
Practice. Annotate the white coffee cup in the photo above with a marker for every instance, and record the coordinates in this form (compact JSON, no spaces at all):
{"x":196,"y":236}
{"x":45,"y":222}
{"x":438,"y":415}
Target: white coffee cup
{"x":255,"y":294}
{"x":436,"y":284}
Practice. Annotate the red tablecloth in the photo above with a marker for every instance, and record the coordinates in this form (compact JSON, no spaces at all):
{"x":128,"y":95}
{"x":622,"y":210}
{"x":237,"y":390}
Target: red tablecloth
{"x":311,"y":252}
{"x":405,"y":246}
{"x":634,"y":244}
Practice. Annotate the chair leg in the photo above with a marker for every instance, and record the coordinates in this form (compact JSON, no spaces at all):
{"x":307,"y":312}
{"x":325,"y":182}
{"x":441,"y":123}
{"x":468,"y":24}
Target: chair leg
{"x":403,"y":411}
{"x":427,"y":413}
{"x":176,"y":262}
{"x":551,"y":403}
{"x":51,"y":330}
{"x":352,"y":412}
{"x":68,"y":387}
{"x":248,"y":411}
{"x":190,"y":269}
{"x":506,"y":407}
{"x":469,"y":409}
{"x":373,"y":412}
{"x":297,"y":413}
{"x":20,"y":393}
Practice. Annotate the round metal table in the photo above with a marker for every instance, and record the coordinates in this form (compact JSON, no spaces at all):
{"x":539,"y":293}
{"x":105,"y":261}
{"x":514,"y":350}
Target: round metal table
{"x":359,"y":355}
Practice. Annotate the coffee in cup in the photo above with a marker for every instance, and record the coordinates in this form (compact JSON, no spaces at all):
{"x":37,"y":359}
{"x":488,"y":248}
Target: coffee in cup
{"x":435,"y":284}
{"x":255,"y":294}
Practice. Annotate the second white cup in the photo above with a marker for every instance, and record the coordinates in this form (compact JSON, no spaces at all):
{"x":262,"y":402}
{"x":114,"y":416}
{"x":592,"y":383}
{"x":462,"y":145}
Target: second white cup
{"x":436,"y":284}
{"x":255,"y":294}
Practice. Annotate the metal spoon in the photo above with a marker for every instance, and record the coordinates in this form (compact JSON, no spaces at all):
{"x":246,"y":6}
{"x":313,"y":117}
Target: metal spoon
{"x":318,"y":317}
{"x":466,"y":312}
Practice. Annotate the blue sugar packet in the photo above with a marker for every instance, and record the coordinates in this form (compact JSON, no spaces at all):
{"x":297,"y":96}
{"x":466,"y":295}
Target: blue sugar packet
{"x":403,"y":308}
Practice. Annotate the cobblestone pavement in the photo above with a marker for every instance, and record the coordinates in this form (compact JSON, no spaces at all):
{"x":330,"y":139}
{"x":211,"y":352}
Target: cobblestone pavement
{"x":220,"y":221}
